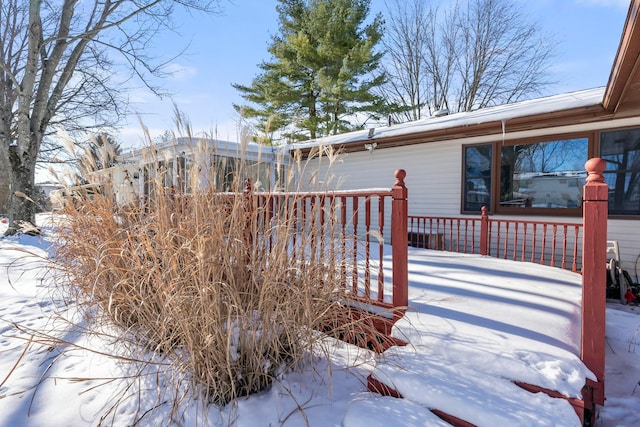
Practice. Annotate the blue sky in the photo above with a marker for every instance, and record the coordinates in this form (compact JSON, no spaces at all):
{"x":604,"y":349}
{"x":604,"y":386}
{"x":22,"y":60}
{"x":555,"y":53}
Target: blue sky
{"x":226,"y":49}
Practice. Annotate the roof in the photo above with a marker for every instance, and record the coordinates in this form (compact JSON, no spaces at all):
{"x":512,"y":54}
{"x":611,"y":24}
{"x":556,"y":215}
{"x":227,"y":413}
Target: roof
{"x":585,"y":101}
{"x":187,"y":146}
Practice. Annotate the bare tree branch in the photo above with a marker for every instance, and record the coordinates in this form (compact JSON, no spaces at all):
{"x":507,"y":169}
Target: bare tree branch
{"x":475,"y":54}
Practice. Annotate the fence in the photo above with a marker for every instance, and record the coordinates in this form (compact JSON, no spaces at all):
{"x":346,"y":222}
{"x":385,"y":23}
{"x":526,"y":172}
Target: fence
{"x":580,"y":247}
{"x":557,"y":244}
{"x":348,"y":228}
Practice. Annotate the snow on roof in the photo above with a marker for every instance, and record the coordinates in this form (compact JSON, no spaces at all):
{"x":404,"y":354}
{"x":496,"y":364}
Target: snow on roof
{"x":549,"y":104}
{"x":224,"y":148}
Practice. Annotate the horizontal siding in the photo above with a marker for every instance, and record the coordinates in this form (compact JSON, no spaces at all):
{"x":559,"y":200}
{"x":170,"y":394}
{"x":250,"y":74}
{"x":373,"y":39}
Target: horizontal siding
{"x":433,"y":174}
{"x":627,"y":233}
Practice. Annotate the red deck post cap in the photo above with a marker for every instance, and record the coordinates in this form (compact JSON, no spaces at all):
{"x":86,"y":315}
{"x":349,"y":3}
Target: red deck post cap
{"x":594,"y":167}
{"x":400,"y":175}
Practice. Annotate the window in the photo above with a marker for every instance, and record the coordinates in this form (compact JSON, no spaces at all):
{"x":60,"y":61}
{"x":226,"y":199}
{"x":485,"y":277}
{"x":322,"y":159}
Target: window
{"x":165,"y":169}
{"x":476,"y":192}
{"x":546,"y":174}
{"x":621,"y":150}
{"x":531,"y":177}
{"x":224,"y":173}
{"x":184,"y":174}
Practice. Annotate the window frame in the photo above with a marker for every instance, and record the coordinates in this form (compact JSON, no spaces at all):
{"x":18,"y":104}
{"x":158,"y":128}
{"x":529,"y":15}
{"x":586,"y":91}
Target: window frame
{"x":464,"y":178}
{"x":597,"y":153}
{"x":496,"y":171}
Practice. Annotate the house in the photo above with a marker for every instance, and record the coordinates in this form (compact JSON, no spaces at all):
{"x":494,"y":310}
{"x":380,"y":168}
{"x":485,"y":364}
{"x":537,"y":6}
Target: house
{"x":523,"y":160}
{"x":185,"y":164}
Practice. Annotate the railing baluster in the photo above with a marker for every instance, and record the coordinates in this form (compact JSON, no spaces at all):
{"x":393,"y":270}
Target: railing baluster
{"x":564,"y":248}
{"x":354,"y":221}
{"x":333,"y":230}
{"x":466,"y":233}
{"x":515,"y":242}
{"x":431,"y":232}
{"x":489,"y":234}
{"x":574,"y":264}
{"x":533,"y":242}
{"x":294,"y":224}
{"x":553,"y":245}
{"x":544,"y":243}
{"x":343,"y":231}
{"x":381,"y":248}
{"x":523,"y":249}
{"x":367,"y":247}
{"x":505,"y":250}
{"x":321,"y":213}
{"x":473,"y":236}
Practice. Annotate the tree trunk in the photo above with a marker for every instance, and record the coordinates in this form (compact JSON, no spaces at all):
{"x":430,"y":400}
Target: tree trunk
{"x":5,"y":167}
{"x":21,"y":183}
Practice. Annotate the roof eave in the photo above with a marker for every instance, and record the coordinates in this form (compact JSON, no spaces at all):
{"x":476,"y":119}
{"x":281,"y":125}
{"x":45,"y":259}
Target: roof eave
{"x":588,"y":114}
{"x":626,"y":63}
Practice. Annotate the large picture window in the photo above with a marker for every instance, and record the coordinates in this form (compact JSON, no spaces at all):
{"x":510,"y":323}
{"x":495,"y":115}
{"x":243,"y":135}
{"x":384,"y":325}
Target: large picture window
{"x":544,"y":177}
{"x":546,"y":174}
{"x":621,"y":150}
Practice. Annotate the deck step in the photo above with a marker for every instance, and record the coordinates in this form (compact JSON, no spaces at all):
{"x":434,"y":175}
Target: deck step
{"x":463,"y":396}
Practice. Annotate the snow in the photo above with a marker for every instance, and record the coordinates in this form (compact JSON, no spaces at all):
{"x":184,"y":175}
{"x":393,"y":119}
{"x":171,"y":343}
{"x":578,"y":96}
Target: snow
{"x":501,"y":113}
{"x":475,"y":326}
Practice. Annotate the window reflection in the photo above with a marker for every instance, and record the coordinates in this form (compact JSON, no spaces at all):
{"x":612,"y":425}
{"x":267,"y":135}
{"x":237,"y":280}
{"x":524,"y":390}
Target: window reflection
{"x":477,"y":182}
{"x":621,"y":150}
{"x":543,"y":175}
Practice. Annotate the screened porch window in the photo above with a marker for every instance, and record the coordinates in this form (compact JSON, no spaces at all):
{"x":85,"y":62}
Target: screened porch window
{"x":621,"y":150}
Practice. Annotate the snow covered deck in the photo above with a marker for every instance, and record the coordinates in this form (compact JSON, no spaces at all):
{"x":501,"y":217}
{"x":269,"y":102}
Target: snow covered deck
{"x":476,"y":325}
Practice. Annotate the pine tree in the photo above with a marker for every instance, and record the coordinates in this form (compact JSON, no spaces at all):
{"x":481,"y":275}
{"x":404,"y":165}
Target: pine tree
{"x":322,"y":73}
{"x":100,"y":152}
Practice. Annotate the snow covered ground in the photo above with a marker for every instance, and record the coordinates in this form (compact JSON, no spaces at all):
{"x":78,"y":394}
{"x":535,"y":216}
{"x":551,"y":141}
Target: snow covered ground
{"x":476,"y":324}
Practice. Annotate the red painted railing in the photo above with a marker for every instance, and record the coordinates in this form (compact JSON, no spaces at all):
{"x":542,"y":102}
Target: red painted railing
{"x":359,"y":221}
{"x":549,"y":243}
{"x":592,"y":346}
{"x":348,"y":228}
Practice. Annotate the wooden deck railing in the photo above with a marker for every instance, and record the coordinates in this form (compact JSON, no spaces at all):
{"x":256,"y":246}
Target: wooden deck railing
{"x":349,"y":228}
{"x":594,"y":257}
{"x":557,"y":244}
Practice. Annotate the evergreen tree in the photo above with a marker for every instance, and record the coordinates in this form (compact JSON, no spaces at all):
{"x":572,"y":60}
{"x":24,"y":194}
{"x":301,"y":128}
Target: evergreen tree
{"x":322,"y":73}
{"x":100,"y":152}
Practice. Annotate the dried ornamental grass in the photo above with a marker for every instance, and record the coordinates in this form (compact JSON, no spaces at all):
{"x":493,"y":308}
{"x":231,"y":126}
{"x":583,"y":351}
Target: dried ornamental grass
{"x":205,"y":279}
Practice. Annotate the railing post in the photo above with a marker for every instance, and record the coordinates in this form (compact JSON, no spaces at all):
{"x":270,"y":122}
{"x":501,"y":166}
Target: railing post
{"x":399,"y":241}
{"x":594,"y":257}
{"x":484,"y":231}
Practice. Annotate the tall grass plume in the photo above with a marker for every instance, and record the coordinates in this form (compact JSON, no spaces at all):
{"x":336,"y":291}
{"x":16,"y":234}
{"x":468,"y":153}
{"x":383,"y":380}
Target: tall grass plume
{"x":206,"y":277}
